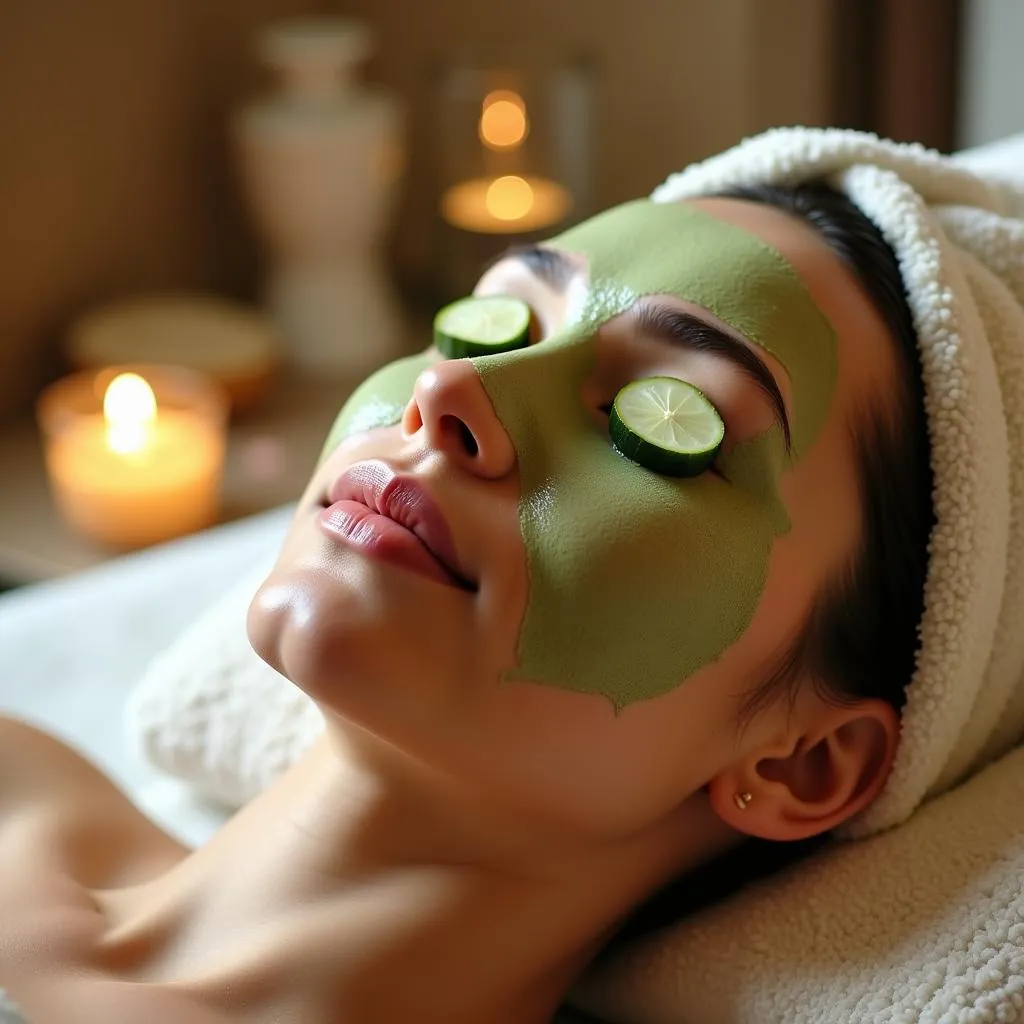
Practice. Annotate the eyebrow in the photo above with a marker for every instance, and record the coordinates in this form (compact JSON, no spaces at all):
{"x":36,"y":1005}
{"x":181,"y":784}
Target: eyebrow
{"x":552,"y":267}
{"x":693,"y":333}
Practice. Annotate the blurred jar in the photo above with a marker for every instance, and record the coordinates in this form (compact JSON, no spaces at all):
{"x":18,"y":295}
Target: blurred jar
{"x":514,"y":155}
{"x":320,"y":162}
{"x":234,"y":344}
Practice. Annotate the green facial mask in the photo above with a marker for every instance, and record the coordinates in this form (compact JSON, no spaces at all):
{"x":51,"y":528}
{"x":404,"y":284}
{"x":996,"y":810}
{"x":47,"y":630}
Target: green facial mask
{"x":638,"y":581}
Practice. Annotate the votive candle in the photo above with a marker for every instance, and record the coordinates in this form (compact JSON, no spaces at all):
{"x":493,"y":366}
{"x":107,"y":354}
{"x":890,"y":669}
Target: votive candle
{"x":135,"y":454}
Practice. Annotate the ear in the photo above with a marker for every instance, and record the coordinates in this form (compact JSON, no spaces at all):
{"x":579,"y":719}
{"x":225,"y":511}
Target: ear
{"x":813,"y":779}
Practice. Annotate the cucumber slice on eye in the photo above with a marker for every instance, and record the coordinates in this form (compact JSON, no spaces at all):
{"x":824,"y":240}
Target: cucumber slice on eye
{"x":666,"y":425}
{"x":482,"y":326}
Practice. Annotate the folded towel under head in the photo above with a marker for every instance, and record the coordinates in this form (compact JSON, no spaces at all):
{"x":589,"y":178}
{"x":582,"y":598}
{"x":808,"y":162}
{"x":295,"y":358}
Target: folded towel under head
{"x":959,"y":242}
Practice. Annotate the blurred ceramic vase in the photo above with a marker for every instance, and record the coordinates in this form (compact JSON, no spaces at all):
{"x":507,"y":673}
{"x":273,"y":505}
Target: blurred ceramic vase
{"x":319,"y":162}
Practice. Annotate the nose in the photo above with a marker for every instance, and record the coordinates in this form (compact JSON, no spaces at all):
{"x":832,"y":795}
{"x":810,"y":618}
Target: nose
{"x":452,"y":409}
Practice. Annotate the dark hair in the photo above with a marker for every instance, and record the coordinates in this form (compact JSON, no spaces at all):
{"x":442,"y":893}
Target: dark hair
{"x":861,"y":638}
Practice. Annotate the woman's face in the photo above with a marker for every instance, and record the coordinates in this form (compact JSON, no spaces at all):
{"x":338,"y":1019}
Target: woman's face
{"x":584,"y":652}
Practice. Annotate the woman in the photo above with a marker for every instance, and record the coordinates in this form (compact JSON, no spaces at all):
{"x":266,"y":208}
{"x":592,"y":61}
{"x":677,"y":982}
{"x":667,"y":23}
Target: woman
{"x":554,"y":680}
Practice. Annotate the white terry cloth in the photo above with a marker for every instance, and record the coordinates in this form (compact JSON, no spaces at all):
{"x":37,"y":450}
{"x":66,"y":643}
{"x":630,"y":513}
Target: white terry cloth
{"x":923,"y":924}
{"x":210,"y":711}
{"x":960,"y":246}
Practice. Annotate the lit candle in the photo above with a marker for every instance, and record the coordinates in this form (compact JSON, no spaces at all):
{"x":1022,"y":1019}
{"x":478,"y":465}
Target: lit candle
{"x":506,"y":205}
{"x":503,"y":121}
{"x":129,"y":471}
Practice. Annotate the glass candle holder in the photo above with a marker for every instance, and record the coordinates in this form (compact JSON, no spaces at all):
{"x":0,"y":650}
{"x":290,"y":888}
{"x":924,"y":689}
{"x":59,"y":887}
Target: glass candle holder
{"x":514,"y":158}
{"x":135,"y":453}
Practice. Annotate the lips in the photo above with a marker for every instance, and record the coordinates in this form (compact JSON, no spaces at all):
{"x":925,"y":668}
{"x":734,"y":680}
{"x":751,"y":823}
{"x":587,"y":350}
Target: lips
{"x":404,"y":501}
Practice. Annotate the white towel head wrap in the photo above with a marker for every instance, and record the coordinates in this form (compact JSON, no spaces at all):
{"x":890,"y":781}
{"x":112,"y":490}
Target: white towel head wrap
{"x":959,"y":242}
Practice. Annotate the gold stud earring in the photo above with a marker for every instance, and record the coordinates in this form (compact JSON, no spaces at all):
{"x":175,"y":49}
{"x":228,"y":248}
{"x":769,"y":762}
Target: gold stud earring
{"x":742,"y":799}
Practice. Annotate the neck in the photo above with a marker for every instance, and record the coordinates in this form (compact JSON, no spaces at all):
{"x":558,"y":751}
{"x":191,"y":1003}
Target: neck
{"x":425,"y":895}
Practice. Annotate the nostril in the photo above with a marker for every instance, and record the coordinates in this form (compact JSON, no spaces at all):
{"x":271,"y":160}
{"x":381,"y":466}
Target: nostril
{"x":452,"y":425}
{"x":468,"y":439}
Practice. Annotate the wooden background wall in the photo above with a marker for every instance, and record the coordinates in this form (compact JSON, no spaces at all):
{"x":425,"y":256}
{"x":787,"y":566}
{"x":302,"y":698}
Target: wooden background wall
{"x":113,"y":171}
{"x":116,"y":174}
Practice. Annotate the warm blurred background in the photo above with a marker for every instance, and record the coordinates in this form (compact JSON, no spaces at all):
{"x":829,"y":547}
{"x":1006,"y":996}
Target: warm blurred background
{"x":257,"y":184}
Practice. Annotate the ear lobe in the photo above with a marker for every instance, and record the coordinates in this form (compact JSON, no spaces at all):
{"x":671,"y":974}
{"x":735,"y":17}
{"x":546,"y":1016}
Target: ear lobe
{"x":816,"y":779}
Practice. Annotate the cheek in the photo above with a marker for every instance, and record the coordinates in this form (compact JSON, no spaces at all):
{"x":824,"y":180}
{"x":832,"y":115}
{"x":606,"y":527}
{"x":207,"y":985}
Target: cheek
{"x":380,"y":400}
{"x":572,"y":759}
{"x":823,"y":495}
{"x":637,"y":582}
{"x":785,"y":604}
{"x":366,"y":444}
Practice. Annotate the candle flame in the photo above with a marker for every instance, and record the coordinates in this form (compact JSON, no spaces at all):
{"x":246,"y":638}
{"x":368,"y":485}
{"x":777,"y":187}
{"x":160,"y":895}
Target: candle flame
{"x":503,"y":122}
{"x":509,"y":197}
{"x":129,"y":407}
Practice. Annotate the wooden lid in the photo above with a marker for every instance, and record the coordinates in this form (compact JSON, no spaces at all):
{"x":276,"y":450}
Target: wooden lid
{"x":231,"y":342}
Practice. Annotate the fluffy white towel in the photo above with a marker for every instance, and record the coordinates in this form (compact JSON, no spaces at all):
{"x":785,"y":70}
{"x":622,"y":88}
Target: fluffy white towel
{"x":961,"y":254}
{"x":923,"y":924}
{"x":210,"y":711}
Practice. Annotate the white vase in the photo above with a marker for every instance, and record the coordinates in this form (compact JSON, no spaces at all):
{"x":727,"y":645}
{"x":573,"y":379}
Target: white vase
{"x":319,"y":163}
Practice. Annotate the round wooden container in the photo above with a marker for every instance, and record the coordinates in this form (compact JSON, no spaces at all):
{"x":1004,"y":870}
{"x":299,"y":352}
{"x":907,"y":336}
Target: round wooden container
{"x":235,"y":344}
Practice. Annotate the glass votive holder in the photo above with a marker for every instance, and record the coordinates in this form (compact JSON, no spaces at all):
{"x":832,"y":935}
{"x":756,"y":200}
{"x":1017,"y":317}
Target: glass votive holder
{"x":514,"y":157}
{"x":135,"y":453}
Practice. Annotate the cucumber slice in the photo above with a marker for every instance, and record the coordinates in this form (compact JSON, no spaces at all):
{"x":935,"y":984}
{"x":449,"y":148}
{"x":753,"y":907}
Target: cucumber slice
{"x":482,"y":326}
{"x":666,"y":425}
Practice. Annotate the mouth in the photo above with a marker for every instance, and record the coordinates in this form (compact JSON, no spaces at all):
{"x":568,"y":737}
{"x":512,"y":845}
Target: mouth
{"x":394,"y":518}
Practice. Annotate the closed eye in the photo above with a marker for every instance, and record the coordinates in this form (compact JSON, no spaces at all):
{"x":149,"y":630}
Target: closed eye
{"x":536,"y":329}
{"x":685,"y":330}
{"x":713,"y":469}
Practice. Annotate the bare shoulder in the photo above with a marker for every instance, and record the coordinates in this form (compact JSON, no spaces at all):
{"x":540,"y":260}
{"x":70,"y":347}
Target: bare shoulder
{"x":57,"y":808}
{"x":65,"y":831}
{"x":32,"y":760}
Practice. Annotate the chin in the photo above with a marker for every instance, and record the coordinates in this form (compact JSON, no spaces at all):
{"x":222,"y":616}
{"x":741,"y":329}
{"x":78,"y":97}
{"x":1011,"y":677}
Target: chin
{"x":354,"y":638}
{"x":378,"y":646}
{"x":310,"y":627}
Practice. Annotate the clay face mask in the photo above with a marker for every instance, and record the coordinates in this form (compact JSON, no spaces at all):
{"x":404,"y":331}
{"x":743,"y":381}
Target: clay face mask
{"x":638,"y":581}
